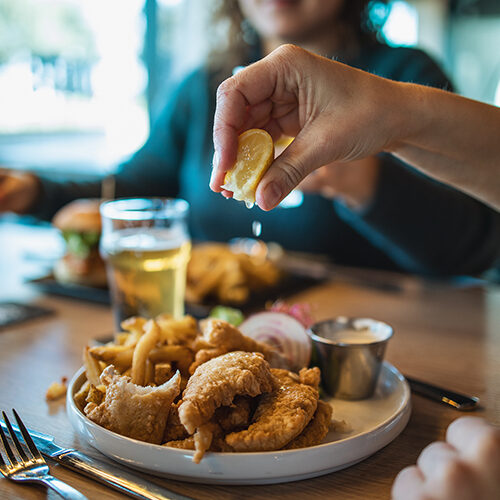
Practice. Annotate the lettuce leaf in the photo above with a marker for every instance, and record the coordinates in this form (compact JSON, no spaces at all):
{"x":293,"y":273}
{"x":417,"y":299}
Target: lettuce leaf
{"x":81,"y":244}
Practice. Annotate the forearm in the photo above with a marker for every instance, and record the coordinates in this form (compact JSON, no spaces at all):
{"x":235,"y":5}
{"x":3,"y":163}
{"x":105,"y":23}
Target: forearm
{"x":451,"y":138}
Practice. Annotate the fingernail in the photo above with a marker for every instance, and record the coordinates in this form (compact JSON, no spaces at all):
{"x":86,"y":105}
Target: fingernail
{"x":215,"y":160}
{"x":271,"y":195}
{"x":212,"y":177}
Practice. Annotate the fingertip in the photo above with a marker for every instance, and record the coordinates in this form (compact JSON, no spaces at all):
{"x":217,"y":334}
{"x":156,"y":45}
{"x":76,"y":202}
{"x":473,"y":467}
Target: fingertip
{"x":461,"y":428}
{"x":268,"y":195}
{"x":217,"y":180}
{"x":410,"y":479}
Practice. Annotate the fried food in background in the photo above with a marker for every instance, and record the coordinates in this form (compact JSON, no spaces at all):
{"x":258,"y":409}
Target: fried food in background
{"x":217,"y":272}
{"x":80,"y":225}
{"x":162,"y":381}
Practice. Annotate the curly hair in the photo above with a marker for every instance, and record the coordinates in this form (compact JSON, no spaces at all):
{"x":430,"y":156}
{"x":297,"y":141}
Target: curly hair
{"x":240,"y":38}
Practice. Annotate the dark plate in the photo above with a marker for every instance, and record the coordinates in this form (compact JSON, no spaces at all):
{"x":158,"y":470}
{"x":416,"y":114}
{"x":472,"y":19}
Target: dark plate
{"x":12,"y":313}
{"x":289,"y":285}
{"x":48,"y":284}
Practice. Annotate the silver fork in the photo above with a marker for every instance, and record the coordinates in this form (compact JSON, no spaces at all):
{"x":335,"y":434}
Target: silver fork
{"x":32,"y":468}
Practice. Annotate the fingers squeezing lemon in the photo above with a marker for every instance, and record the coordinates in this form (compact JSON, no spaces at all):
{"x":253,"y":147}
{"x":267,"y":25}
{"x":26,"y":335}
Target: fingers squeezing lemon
{"x":255,"y":155}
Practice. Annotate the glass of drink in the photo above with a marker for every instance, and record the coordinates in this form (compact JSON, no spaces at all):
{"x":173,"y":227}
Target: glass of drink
{"x":146,"y":246}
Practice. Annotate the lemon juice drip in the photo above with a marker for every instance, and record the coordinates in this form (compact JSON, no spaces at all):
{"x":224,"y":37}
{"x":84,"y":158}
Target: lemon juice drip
{"x":256,"y":228}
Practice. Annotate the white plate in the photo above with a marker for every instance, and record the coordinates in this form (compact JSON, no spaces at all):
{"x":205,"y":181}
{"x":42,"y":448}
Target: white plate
{"x":372,"y":424}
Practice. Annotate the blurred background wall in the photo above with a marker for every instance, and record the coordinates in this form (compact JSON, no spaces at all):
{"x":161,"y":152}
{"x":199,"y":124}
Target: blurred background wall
{"x":80,"y":80}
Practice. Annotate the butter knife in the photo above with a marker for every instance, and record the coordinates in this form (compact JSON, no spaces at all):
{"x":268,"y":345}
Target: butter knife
{"x":110,"y":475}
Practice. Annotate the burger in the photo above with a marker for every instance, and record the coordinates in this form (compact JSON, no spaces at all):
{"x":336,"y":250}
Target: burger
{"x":80,"y":226}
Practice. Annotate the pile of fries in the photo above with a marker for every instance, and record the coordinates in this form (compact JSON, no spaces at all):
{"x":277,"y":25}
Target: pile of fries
{"x":148,"y":357}
{"x":218,"y":272}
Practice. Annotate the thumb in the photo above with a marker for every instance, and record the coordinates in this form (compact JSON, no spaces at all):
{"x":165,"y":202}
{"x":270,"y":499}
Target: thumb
{"x":306,"y":153}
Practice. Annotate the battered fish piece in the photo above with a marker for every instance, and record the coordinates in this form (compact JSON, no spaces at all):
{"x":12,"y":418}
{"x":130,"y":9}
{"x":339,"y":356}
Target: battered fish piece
{"x":208,"y":437}
{"x":281,"y":415}
{"x":316,"y":429}
{"x":174,"y":430}
{"x":220,"y":337}
{"x":182,"y":444}
{"x":218,"y":381}
{"x":236,"y":416}
{"x":200,"y":441}
{"x":131,"y":410}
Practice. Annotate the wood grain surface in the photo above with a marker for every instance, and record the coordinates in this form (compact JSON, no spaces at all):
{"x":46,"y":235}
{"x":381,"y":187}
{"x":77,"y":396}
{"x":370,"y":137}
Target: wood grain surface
{"x":444,"y":334}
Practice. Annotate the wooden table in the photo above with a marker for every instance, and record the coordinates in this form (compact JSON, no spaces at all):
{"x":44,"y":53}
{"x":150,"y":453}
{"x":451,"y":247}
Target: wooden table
{"x":444,"y":334}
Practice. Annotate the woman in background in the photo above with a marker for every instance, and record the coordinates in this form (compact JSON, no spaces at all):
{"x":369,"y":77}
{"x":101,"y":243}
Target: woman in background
{"x":367,"y":214}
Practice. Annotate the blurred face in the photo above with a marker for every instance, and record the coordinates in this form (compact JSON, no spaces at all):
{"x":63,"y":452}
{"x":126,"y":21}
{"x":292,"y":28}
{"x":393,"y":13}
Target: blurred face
{"x":293,"y":21}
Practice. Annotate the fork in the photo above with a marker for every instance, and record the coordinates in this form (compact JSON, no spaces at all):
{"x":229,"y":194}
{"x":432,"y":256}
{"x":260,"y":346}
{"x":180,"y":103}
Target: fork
{"x":31,"y":466}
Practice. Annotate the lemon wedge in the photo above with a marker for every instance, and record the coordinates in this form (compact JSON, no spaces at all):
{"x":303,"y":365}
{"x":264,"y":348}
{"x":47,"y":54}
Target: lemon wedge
{"x":255,"y":155}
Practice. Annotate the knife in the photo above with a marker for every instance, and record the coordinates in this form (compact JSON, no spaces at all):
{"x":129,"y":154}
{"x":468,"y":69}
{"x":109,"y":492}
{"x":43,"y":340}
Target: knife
{"x":456,"y":400}
{"x":107,"y":474}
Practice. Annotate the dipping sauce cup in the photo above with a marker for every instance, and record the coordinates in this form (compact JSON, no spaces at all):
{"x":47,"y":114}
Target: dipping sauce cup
{"x":349,"y":352}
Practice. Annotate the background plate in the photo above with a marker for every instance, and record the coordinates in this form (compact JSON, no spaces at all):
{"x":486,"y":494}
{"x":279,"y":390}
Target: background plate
{"x":289,"y":285}
{"x":370,"y":425}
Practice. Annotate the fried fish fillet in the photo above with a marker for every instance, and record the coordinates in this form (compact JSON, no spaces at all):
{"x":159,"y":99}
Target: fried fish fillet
{"x":209,"y":436}
{"x":217,"y":382}
{"x":236,"y":416}
{"x":220,"y":337}
{"x":280,"y":415}
{"x":316,"y":429}
{"x":174,"y":430}
{"x":131,"y":410}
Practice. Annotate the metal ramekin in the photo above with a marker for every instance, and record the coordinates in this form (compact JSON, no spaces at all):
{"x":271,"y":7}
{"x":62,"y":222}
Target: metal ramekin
{"x":349,"y":370}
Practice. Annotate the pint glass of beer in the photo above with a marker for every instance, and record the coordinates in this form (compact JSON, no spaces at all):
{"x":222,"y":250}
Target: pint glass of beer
{"x":146,"y":246}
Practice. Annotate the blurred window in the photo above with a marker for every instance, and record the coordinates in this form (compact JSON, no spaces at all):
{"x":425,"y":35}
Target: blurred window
{"x":79,"y":79}
{"x":401,"y":26}
{"x":71,"y":82}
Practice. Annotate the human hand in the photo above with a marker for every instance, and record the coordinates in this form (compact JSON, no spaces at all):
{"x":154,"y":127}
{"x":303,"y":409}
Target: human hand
{"x":465,"y":466}
{"x":18,"y":191}
{"x":335,"y":113}
{"x":354,"y":182}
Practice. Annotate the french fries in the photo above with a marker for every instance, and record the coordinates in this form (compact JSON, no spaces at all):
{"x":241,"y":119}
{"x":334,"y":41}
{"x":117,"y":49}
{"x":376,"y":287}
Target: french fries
{"x":118,"y":355}
{"x":229,"y":277}
{"x":92,"y":367}
{"x":141,"y":352}
{"x":180,"y":355}
{"x":177,"y":331}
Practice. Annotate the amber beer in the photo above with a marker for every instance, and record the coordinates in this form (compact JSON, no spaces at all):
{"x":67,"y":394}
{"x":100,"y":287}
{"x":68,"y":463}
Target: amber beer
{"x":146,"y":247}
{"x":147,"y":272}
